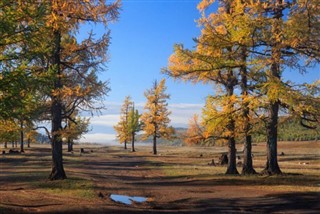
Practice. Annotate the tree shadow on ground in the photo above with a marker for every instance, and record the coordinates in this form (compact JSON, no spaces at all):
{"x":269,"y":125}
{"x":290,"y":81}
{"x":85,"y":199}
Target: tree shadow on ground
{"x":281,"y":203}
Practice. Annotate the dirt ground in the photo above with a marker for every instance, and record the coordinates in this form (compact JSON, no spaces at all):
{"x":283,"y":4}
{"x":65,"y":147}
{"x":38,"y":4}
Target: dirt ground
{"x":177,"y":180}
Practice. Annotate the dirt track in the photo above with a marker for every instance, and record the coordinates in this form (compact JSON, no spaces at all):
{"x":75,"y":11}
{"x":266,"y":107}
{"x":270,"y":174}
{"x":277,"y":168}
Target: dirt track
{"x":178,"y":180}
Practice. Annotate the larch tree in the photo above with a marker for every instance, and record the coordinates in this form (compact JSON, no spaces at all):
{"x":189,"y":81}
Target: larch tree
{"x":134,"y":125}
{"x":74,"y":129}
{"x":122,"y":129}
{"x":18,"y":29}
{"x":63,"y":18}
{"x":195,"y":133}
{"x":248,"y":44}
{"x":289,"y":39}
{"x":216,"y":60}
{"x":155,"y":119}
{"x":9,"y":131}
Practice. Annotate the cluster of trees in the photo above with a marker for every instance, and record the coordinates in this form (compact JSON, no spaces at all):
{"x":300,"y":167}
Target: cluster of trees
{"x":243,"y":50}
{"x":153,"y":122}
{"x":46,"y":73}
{"x":289,"y":129}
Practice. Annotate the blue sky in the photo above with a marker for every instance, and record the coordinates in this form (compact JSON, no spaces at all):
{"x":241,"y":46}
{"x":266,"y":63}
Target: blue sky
{"x":141,"y":42}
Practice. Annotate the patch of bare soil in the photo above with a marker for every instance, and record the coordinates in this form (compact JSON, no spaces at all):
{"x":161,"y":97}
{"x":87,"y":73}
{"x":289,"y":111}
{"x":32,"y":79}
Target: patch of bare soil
{"x":178,"y":180}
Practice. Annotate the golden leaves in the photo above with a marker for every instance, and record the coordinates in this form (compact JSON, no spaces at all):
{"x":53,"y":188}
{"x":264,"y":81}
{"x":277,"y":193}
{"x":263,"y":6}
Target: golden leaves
{"x":66,"y":15}
{"x":155,"y":118}
{"x":204,"y":4}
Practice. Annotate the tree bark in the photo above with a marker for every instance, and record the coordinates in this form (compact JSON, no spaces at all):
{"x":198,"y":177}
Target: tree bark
{"x":247,"y":167}
{"x":70,"y":145}
{"x":29,"y":141}
{"x":56,"y":112}
{"x":132,"y":142}
{"x":272,"y":166}
{"x":125,"y":144}
{"x":154,"y":144}
{"x":21,"y":136}
{"x":5,"y":145}
{"x":232,"y":164}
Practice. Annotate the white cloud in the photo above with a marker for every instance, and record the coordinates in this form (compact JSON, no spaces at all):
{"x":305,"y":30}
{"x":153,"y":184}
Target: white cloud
{"x":98,"y":138}
{"x":102,"y":126}
{"x":105,"y":120}
{"x":181,"y":113}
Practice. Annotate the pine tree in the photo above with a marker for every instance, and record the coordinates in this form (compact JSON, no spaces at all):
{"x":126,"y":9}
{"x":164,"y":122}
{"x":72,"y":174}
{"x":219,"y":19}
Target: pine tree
{"x":156,"y":117}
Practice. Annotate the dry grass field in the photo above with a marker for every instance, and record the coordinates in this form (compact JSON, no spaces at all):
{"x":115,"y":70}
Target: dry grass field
{"x":177,"y":180}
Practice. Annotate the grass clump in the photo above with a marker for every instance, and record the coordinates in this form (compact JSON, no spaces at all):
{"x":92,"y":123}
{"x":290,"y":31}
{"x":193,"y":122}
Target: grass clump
{"x":71,"y":187}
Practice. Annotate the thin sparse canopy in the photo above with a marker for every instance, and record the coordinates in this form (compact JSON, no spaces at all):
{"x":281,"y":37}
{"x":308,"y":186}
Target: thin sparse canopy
{"x":134,"y":125}
{"x":122,"y":128}
{"x":155,"y":119}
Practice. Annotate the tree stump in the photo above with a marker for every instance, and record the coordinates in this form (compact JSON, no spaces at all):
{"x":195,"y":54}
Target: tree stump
{"x":212,"y":163}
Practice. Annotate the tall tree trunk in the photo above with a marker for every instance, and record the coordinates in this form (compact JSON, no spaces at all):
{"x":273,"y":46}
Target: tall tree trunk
{"x":247,"y":167}
{"x":29,"y":141}
{"x":230,"y":83}
{"x":132,"y":142}
{"x":272,"y":166}
{"x":56,"y":112}
{"x":70,"y":145}
{"x":154,"y":144}
{"x":21,"y":136}
{"x":5,"y":144}
{"x":12,"y":144}
{"x":232,"y":164}
{"x":125,"y":144}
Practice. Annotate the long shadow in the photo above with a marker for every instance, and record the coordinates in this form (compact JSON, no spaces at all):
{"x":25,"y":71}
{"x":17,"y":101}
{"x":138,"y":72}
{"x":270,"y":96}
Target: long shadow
{"x":223,"y":180}
{"x":30,"y":177}
{"x":276,"y":203}
{"x":281,"y":203}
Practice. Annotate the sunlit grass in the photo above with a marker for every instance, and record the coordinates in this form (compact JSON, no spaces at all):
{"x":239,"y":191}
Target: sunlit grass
{"x":71,"y":187}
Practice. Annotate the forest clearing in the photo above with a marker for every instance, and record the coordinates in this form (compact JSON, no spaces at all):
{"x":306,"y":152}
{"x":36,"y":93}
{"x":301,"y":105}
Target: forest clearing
{"x":177,"y":180}
{"x":217,"y":100}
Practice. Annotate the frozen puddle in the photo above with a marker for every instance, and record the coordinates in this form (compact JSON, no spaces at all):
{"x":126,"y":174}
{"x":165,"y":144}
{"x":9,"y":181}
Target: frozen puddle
{"x":124,"y":199}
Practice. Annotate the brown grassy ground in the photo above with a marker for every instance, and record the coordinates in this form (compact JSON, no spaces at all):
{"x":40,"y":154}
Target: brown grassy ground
{"x":178,"y":180}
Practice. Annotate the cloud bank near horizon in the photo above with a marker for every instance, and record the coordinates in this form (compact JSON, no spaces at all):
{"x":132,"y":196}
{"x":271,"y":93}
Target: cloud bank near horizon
{"x":102,"y":126}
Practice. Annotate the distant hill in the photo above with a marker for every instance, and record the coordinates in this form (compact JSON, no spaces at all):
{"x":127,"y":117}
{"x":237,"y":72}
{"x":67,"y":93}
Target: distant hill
{"x":176,"y":141}
{"x":291,"y":130}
